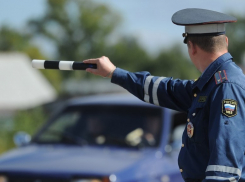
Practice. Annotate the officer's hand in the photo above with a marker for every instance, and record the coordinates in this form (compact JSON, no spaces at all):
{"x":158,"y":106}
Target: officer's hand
{"x":105,"y":67}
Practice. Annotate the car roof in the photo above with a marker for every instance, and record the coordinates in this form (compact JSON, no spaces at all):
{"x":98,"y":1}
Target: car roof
{"x":109,"y":99}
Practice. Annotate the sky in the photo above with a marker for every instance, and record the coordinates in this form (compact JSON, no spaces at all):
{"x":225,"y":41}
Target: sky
{"x":148,"y":20}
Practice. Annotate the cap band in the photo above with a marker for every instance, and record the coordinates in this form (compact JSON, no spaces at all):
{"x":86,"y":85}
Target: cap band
{"x":205,"y":29}
{"x":206,"y":34}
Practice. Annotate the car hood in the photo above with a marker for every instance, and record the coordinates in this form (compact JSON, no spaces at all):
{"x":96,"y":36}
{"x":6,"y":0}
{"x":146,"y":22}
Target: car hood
{"x":70,"y":159}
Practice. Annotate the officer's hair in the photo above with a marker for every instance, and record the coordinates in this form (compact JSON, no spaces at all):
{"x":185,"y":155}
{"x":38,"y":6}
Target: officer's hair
{"x":210,"y":44}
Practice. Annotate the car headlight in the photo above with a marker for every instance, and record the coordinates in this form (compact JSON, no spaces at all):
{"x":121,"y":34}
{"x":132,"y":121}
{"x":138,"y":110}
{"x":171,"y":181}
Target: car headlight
{"x":90,"y":180}
{"x":3,"y":178}
{"x":111,"y":178}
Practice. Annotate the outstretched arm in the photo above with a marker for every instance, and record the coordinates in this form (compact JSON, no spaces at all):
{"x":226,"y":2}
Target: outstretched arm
{"x":161,"y":91}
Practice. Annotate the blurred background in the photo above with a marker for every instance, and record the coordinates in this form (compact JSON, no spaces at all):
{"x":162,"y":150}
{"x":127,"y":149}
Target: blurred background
{"x":136,"y":35}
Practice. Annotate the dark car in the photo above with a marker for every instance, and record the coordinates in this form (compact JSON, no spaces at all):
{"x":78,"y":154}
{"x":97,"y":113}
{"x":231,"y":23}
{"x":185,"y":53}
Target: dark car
{"x":109,"y":138}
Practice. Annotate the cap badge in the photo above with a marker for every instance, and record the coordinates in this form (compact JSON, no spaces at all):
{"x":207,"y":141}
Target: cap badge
{"x":190,"y":129}
{"x":184,"y":35}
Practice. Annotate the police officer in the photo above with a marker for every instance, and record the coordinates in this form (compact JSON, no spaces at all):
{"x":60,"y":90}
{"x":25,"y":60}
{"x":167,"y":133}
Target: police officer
{"x":213,"y":143}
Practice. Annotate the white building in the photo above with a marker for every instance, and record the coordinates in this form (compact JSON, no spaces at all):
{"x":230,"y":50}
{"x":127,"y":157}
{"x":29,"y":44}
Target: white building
{"x":21,"y":86}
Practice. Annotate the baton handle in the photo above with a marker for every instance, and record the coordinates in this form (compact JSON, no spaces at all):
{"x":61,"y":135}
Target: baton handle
{"x":61,"y":65}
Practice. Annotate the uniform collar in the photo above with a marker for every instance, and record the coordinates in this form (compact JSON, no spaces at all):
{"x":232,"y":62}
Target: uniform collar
{"x":211,"y":70}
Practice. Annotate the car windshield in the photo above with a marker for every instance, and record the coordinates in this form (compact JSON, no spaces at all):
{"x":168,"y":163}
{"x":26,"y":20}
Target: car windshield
{"x":126,"y":126}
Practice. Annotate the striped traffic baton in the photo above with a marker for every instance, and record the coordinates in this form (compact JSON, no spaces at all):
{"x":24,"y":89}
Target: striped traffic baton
{"x":61,"y":65}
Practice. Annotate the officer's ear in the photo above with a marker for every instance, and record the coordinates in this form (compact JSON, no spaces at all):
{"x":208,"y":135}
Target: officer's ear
{"x":192,"y":48}
{"x":227,"y":40}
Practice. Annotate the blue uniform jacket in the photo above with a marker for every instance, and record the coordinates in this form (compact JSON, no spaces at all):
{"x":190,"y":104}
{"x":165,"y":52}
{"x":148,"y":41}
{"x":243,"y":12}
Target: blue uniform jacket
{"x":216,"y":110}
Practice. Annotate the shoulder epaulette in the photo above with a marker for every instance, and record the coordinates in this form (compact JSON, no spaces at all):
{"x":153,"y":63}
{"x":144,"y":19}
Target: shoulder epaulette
{"x":220,"y":77}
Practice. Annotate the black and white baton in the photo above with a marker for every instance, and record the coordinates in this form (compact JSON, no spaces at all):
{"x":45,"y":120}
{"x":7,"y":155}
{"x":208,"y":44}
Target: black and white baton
{"x":61,"y":65}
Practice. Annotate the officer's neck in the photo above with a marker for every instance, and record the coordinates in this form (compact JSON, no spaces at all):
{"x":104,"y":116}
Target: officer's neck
{"x":203,"y":59}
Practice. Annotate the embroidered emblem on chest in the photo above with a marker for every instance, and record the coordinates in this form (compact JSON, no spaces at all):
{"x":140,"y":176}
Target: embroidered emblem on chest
{"x":202,"y":99}
{"x":229,"y":107}
{"x":220,"y":77}
{"x":190,"y":129}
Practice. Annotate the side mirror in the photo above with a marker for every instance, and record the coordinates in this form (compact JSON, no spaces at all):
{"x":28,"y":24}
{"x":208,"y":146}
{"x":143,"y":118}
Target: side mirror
{"x":21,"y":138}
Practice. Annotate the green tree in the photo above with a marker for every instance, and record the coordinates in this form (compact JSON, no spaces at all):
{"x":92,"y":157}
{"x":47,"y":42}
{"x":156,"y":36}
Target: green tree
{"x":14,"y":40}
{"x":77,"y":29}
{"x":128,"y":54}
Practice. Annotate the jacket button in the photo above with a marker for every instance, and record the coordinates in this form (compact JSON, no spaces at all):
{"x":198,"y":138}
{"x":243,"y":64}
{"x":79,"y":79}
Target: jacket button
{"x":188,"y":120}
{"x":195,"y":95}
{"x":182,"y":145}
{"x":181,"y":170}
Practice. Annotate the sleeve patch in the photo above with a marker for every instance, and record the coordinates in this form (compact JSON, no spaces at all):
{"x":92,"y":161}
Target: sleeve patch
{"x":229,"y":107}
